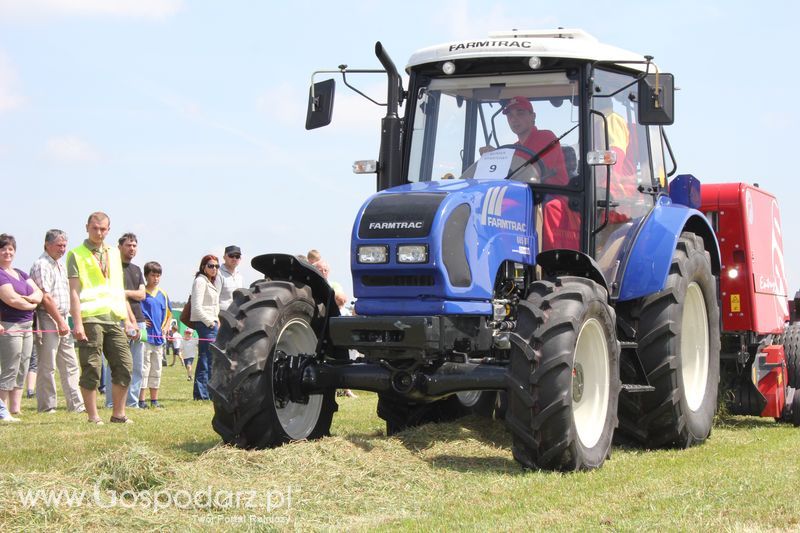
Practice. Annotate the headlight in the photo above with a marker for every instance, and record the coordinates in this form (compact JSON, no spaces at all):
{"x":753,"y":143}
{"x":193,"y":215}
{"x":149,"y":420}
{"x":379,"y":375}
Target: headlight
{"x":412,"y":253}
{"x":373,"y":254}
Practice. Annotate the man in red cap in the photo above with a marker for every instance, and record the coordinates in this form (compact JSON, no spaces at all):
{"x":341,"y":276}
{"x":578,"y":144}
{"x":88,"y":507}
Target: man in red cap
{"x":561,"y":225}
{"x":522,"y":121}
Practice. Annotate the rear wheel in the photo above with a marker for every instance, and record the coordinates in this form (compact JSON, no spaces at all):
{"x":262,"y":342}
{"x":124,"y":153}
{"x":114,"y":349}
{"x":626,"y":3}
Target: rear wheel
{"x":271,"y":318}
{"x":679,"y":344}
{"x":564,"y":376}
{"x":481,"y":403}
{"x":401,"y":414}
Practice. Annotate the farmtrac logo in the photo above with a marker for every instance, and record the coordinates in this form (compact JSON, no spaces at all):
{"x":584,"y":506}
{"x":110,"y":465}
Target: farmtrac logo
{"x":395,"y":225}
{"x":492,"y":214}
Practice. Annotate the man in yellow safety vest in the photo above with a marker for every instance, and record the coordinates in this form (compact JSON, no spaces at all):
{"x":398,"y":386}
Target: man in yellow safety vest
{"x":98,"y":307}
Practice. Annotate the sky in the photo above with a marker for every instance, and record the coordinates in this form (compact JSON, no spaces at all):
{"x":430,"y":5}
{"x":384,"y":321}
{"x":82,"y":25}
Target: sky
{"x":184,"y":120}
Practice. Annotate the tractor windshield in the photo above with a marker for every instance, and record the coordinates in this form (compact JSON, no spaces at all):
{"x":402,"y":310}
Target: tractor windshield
{"x":522,"y":127}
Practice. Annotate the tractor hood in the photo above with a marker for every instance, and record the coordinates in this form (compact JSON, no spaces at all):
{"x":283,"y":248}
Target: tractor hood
{"x":468,"y":228}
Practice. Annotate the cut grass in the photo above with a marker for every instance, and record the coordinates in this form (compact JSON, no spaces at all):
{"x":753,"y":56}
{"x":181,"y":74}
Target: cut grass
{"x":448,"y":476}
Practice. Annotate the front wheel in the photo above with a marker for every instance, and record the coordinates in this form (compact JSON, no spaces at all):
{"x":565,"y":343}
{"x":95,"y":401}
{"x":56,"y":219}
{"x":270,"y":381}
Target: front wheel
{"x":564,"y":376}
{"x":271,"y":320}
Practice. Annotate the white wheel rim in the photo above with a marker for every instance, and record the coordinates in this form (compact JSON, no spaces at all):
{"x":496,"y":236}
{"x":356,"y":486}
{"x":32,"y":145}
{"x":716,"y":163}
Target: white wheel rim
{"x":469,"y":398}
{"x":297,"y":419}
{"x":590,"y":383}
{"x":694,"y":347}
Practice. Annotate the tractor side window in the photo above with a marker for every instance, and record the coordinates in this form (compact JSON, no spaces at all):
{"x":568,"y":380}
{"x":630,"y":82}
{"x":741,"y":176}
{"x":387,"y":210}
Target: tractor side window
{"x":438,"y":137}
{"x":615,"y":128}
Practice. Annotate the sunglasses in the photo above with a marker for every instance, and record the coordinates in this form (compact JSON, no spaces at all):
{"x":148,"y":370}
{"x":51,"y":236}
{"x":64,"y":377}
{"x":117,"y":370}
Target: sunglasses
{"x":210,"y":265}
{"x":235,"y":256}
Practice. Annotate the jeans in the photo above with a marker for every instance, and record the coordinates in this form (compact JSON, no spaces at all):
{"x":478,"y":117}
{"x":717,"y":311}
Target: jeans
{"x":202,"y":371}
{"x":137,"y":352}
{"x":3,"y":411}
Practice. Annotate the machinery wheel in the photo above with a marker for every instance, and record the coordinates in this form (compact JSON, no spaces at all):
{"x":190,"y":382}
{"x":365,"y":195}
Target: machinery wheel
{"x":679,"y":344}
{"x":564,"y":376}
{"x":400,"y":414}
{"x":791,"y":349}
{"x":796,"y":409}
{"x":271,"y":316}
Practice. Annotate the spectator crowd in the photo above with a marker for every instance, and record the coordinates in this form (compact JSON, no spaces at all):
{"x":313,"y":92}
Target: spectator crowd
{"x":105,"y":323}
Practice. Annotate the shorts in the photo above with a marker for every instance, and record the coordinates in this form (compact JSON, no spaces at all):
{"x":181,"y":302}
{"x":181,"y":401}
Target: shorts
{"x":108,"y":340}
{"x":188,"y":361}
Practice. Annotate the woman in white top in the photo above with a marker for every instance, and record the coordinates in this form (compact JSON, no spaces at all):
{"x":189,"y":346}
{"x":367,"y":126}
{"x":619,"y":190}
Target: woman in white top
{"x":205,"y":313}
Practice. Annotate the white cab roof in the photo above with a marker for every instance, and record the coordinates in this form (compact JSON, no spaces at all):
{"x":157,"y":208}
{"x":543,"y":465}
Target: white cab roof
{"x":564,"y":43}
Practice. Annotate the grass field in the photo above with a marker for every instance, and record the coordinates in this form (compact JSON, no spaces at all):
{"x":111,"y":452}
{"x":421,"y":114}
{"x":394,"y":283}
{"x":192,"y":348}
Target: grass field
{"x":169,"y":471}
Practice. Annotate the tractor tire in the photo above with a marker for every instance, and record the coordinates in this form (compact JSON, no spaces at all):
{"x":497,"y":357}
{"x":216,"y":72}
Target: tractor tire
{"x":791,"y":350}
{"x":563,"y":380}
{"x":679,"y":346}
{"x":270,"y":316}
{"x":481,"y":403}
{"x":400,"y":414}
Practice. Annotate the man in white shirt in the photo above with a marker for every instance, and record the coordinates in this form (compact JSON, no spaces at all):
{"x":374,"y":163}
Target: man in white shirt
{"x":229,"y":278}
{"x":55,"y":346}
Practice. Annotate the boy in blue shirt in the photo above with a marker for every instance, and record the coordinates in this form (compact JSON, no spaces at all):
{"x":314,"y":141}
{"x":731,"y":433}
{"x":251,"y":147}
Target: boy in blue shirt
{"x":155,"y":308}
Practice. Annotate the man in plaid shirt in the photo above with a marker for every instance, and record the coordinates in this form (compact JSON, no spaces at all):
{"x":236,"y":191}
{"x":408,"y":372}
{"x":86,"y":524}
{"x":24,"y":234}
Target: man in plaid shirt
{"x":55,"y":346}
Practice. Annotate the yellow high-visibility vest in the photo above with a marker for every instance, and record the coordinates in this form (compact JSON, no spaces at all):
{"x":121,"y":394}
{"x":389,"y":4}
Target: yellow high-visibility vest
{"x":100,"y":296}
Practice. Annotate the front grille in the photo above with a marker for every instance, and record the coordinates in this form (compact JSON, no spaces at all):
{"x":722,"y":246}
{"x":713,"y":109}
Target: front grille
{"x":397,"y":281}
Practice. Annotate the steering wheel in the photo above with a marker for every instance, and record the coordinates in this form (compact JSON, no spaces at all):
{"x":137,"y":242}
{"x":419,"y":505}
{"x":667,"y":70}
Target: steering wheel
{"x":538,"y":168}
{"x":520,"y":147}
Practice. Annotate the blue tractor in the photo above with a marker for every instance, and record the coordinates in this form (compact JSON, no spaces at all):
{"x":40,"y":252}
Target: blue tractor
{"x":523,"y":258}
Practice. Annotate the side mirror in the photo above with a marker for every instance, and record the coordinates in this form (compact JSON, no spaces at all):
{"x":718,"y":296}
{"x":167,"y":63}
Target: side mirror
{"x":656,"y":100}
{"x":320,"y":104}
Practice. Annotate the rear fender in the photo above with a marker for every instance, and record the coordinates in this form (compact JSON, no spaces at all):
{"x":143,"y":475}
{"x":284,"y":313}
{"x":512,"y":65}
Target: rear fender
{"x":647,"y":265}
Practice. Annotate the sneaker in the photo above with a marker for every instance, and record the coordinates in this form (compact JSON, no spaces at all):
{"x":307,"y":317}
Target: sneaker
{"x":142,"y":404}
{"x":121,"y":420}
{"x":188,"y":378}
{"x":30,"y":393}
{"x":50,"y":411}
{"x":10,"y":418}
{"x":96,"y":421}
{"x":80,"y":409}
{"x":155,"y":405}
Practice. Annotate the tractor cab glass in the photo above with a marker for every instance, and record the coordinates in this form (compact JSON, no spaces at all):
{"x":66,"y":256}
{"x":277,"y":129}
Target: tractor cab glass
{"x":521,"y":127}
{"x":528,"y":118}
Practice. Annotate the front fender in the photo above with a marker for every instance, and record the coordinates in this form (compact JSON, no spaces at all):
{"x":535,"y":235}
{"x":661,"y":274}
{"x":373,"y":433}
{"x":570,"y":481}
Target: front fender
{"x":648,"y":262}
{"x":285,"y":267}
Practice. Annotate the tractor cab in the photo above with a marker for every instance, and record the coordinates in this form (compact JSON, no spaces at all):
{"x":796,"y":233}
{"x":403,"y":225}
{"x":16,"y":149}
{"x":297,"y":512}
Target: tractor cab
{"x":557,"y":111}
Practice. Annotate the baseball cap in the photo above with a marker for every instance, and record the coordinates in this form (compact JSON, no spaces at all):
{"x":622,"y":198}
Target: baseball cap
{"x":520,"y":102}
{"x":232,"y":250}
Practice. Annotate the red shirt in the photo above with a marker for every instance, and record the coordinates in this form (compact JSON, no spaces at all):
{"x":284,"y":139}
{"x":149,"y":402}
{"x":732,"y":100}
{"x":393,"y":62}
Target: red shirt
{"x":553,"y":158}
{"x":561,"y":225}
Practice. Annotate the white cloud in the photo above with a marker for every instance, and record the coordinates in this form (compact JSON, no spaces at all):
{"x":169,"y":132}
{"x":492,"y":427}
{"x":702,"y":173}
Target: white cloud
{"x":71,"y":149}
{"x":9,"y":94}
{"x":33,"y":9}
